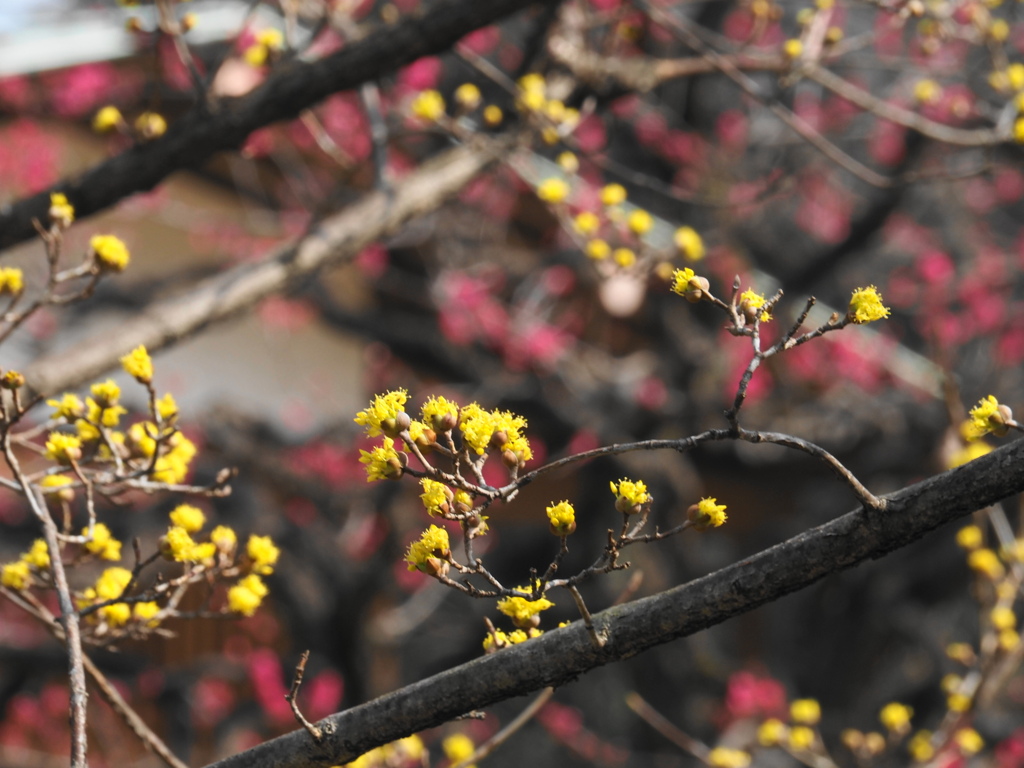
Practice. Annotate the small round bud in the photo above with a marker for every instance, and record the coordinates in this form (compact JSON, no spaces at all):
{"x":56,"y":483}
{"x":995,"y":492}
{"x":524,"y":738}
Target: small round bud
{"x":698,"y":287}
{"x":12,"y":380}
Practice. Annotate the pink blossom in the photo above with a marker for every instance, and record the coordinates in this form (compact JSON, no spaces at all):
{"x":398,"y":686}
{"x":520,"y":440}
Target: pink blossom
{"x":323,"y":694}
{"x":421,"y":74}
{"x":482,"y":41}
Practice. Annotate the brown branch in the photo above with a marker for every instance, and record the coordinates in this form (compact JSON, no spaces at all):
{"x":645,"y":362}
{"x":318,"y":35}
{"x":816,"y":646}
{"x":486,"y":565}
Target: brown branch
{"x":218,"y":298}
{"x":562,"y":655}
{"x":295,"y":86}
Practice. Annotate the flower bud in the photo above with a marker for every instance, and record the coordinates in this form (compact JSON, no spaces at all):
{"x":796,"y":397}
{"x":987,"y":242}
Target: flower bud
{"x":698,"y":287}
{"x":12,"y":380}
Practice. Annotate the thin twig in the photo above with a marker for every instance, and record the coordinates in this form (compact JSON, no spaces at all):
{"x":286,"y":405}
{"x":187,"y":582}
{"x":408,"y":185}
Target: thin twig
{"x":293,"y":695}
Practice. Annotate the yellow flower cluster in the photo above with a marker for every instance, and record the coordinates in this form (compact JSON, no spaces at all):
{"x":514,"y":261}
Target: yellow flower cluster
{"x":263,"y":553}
{"x":407,"y":751}
{"x":706,"y":514}
{"x":501,"y":639}
{"x":428,"y":105}
{"x":188,"y":517}
{"x":383,"y":462}
{"x":267,"y":40}
{"x":173,"y":466}
{"x":245,"y":596}
{"x":383,"y":414}
{"x":523,"y":611}
{"x":18,"y":575}
{"x":501,"y":429}
{"x":866,"y":306}
{"x":630,"y":495}
{"x":725,"y":757}
{"x":102,"y":544}
{"x":11,"y":280}
{"x":138,"y":365}
{"x":429,"y":552}
{"x":62,"y":213}
{"x":107,"y":119}
{"x":63,"y":448}
{"x":555,"y":117}
{"x":562,"y":518}
{"x":110,"y":252}
{"x":989,"y":415}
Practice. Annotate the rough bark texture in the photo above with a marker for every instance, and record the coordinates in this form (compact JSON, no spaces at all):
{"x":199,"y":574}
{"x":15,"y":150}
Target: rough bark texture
{"x":208,"y":129}
{"x":562,"y":655}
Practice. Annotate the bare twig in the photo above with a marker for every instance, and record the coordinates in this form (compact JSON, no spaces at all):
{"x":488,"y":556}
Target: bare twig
{"x":292,"y":698}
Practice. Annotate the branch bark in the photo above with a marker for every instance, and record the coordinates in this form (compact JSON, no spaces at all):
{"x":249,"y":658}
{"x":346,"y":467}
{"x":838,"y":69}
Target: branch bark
{"x":561,"y":655}
{"x":218,"y":298}
{"x":224,"y":125}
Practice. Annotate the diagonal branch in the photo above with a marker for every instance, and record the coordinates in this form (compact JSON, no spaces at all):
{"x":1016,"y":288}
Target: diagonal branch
{"x":218,"y":298}
{"x":209,"y":129}
{"x":562,"y":655}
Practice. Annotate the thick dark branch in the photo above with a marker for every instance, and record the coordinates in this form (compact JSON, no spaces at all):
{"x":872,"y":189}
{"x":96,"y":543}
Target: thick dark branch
{"x":298,"y":85}
{"x":562,"y":655}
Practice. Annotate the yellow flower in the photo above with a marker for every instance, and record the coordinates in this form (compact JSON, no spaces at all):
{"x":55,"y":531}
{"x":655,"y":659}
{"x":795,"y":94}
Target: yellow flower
{"x":69,"y":407}
{"x":805,"y":711}
{"x":920,"y":746}
{"x":511,"y":426}
{"x":440,"y":414}
{"x":138,"y":364}
{"x":532,"y":82}
{"x":63,"y":448}
{"x":493,"y":115}
{"x":969,"y":537}
{"x":801,"y":738}
{"x":110,"y":252}
{"x":383,"y":462}
{"x":640,"y":221}
{"x":568,"y":162}
{"x":166,"y":407}
{"x":173,"y":466}
{"x":11,"y":280}
{"x":102,"y":544}
{"x":792,"y":48}
{"x":112,"y":583}
{"x":896,"y":717}
{"x":1003,"y":617}
{"x":144,"y":613}
{"x":245,"y":596}
{"x":707,"y":514}
{"x":1018,"y":130}
{"x":523,"y":611}
{"x":969,"y":741}
{"x":436,"y":497}
{"x":477,"y":426}
{"x":180,"y":545}
{"x":613,"y":194}
{"x":723,"y":757}
{"x":771,"y":732}
{"x":988,"y":416}
{"x":598,"y":250}
{"x":624,"y":257}
{"x":458,"y":747}
{"x":383,"y":414}
{"x":958,"y":702}
{"x":866,"y":306}
{"x":969,"y":453}
{"x":562,"y":518}
{"x":425,"y":553}
{"x":468,"y":96}
{"x":16,"y":575}
{"x":224,"y":539}
{"x":188,"y":517}
{"x":586,"y":222}
{"x":141,"y":436}
{"x":38,"y":555}
{"x":428,"y":105}
{"x":751,"y":302}
{"x":107,"y":119}
{"x":61,"y":211}
{"x":630,"y":495}
{"x":689,"y":243}
{"x":117,"y":614}
{"x":553,"y":190}
{"x":927,"y":91}
{"x":150,"y":125}
{"x":263,"y":553}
